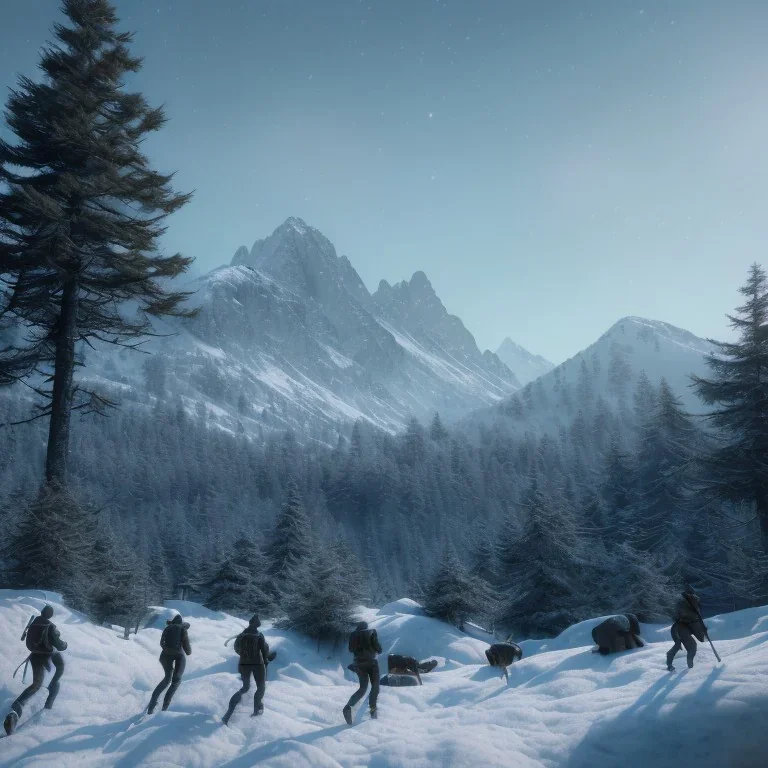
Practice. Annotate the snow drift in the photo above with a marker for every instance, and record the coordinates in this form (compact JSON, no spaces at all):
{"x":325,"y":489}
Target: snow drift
{"x":564,"y":706}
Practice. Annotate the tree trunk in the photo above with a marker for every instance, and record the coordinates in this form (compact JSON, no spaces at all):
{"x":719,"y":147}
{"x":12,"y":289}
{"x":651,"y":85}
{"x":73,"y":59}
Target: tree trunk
{"x":63,"y":390}
{"x":761,"y":508}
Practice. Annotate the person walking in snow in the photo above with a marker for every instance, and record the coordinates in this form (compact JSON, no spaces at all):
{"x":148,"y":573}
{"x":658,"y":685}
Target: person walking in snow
{"x":44,"y":643}
{"x":687,"y":625}
{"x":364,"y":645}
{"x":253,"y":650}
{"x":175,"y":644}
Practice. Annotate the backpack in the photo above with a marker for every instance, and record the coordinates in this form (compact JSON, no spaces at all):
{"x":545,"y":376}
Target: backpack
{"x":249,"y":646}
{"x":38,"y":640}
{"x":170,"y":640}
{"x":363,"y":640}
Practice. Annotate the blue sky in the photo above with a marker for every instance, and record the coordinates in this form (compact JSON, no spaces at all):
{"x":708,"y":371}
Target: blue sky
{"x":551,"y":166}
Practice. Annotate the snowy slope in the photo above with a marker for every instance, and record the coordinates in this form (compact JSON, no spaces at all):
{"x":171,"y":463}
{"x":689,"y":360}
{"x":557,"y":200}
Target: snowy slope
{"x":524,"y":364}
{"x":564,"y":706}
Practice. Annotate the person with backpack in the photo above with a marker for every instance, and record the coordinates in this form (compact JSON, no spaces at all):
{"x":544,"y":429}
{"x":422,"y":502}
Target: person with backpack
{"x":364,"y":645}
{"x":43,"y":643}
{"x":252,"y":648}
{"x":617,"y":633}
{"x":175,"y":648}
{"x":688,"y":624}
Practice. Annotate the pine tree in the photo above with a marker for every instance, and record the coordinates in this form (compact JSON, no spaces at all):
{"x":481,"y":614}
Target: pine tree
{"x":737,"y":471}
{"x":664,"y":466}
{"x":51,"y":547}
{"x":643,"y":588}
{"x":291,"y":543}
{"x":321,"y":603}
{"x":456,"y":596}
{"x":121,"y":590}
{"x":546,"y":585}
{"x":485,"y":561}
{"x":617,"y":488}
{"x":437,"y":432}
{"x":81,"y":214}
{"x":237,"y":587}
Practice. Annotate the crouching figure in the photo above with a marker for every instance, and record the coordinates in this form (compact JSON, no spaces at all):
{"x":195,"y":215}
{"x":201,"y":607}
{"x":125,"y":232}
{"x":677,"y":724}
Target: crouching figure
{"x":406,"y":670}
{"x":503,"y":655}
{"x":617,"y":633}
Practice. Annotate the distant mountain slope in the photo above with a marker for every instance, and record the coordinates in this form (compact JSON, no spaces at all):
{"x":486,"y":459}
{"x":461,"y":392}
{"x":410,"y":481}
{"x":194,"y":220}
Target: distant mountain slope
{"x":524,"y":364}
{"x":608,"y":369}
{"x":288,"y":336}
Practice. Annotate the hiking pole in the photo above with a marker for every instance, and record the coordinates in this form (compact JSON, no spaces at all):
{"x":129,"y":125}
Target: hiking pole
{"x":26,"y":661}
{"x":706,"y":634}
{"x":26,"y":629}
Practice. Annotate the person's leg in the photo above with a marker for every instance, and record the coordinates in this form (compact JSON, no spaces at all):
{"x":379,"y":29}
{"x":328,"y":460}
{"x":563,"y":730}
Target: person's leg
{"x":53,"y":686}
{"x":690,"y":644}
{"x":362,"y":676}
{"x":245,"y":676}
{"x":675,"y":648}
{"x":38,"y":664}
{"x":260,"y":676}
{"x":373,"y":674}
{"x":178,"y":672}
{"x":167,"y":664}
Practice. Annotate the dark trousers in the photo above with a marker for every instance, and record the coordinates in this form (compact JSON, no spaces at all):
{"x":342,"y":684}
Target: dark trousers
{"x":259,"y":672}
{"x":173,"y":666}
{"x":366,"y":671}
{"x":682,"y":636}
{"x":40,"y":664}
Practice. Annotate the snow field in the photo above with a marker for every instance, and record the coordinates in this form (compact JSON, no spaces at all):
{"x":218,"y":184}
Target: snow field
{"x":564,"y":705}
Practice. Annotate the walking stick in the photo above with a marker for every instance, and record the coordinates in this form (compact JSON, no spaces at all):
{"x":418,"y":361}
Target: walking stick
{"x":706,"y":633}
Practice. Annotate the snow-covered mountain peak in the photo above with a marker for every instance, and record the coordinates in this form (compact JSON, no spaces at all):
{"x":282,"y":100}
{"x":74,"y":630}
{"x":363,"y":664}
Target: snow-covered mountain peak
{"x":524,"y":364}
{"x":646,"y":330}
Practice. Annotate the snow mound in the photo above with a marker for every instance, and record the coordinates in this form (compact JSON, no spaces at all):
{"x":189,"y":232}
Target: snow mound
{"x":564,"y":707}
{"x":404,"y":605}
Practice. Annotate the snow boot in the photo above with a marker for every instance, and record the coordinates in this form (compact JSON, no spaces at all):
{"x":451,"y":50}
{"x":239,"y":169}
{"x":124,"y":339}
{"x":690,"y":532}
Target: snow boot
{"x":11,"y":720}
{"x":347,"y":712}
{"x":670,"y":668}
{"x":374,"y":715}
{"x":690,"y":663}
{"x":258,"y":711}
{"x":166,"y":704}
{"x":227,"y":715}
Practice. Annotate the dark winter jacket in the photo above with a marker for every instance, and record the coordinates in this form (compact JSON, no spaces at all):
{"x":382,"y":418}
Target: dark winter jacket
{"x":402,"y":665}
{"x":688,"y":612}
{"x":252,"y":648}
{"x":618,"y":633}
{"x":175,"y":639}
{"x":687,"y":609}
{"x":364,"y":643}
{"x":503,"y":654}
{"x":43,"y":638}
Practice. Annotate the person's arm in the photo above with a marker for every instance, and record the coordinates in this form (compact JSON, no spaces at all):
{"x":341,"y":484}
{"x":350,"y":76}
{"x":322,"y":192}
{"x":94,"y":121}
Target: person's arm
{"x":264,"y":650}
{"x":56,"y":640}
{"x":375,"y":642}
{"x":352,"y":644}
{"x":185,"y":642}
{"x":237,"y":644}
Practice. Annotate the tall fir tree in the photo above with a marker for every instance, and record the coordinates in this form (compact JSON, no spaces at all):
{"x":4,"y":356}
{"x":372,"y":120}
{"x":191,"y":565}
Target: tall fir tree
{"x":51,"y":546}
{"x":291,"y":543}
{"x":456,"y":596}
{"x":737,"y":470}
{"x":239,"y":585}
{"x":546,"y":586}
{"x":81,"y":215}
{"x":321,"y":604}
